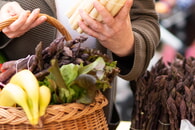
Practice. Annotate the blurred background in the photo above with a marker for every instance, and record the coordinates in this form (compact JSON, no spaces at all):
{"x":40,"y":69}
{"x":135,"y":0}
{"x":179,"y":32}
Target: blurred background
{"x":177,"y":24}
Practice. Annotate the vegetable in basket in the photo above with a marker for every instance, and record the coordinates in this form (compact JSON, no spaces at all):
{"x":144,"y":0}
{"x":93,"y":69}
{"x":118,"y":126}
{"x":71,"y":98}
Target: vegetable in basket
{"x":44,"y":99}
{"x":23,"y":89}
{"x":13,"y":94}
{"x":72,"y":73}
{"x":28,"y":82}
{"x":70,"y":57}
{"x":76,"y":83}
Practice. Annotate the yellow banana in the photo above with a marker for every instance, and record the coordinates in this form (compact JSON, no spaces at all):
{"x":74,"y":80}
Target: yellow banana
{"x":17,"y":95}
{"x":6,"y":99}
{"x":27,"y":80}
{"x":44,"y":99}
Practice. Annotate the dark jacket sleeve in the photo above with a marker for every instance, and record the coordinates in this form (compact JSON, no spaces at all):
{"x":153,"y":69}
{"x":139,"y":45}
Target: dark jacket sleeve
{"x":145,"y":23}
{"x":4,"y":40}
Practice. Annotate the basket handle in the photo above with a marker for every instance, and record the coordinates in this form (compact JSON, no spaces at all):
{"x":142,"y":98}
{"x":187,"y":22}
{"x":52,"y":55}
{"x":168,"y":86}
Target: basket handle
{"x":53,"y":21}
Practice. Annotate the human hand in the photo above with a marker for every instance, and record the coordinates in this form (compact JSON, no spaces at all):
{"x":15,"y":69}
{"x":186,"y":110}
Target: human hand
{"x":25,"y":21}
{"x":114,"y":33}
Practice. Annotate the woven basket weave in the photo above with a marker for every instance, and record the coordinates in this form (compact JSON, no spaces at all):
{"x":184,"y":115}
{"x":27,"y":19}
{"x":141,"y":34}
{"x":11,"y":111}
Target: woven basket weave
{"x":68,"y":116}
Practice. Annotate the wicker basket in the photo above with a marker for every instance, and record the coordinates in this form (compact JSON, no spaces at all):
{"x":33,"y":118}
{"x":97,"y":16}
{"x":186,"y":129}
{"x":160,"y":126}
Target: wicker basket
{"x":69,"y":116}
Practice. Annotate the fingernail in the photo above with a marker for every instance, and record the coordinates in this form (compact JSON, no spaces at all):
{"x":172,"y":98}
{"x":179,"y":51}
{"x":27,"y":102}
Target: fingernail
{"x":36,"y":10}
{"x":28,"y":11}
{"x":43,"y":18}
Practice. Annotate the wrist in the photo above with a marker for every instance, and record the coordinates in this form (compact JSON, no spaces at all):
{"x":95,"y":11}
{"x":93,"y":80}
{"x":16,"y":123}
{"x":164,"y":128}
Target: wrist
{"x":128,"y":49}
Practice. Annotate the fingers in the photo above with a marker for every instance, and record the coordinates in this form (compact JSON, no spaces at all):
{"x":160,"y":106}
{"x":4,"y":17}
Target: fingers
{"x":107,"y":18}
{"x":15,"y":8}
{"x":95,"y":25}
{"x":91,"y":26}
{"x":109,"y":26}
{"x":32,"y":17}
{"x":39,"y":21}
{"x":24,"y":23}
{"x":25,"y":20}
{"x":87,"y":29}
{"x":125,"y":10}
{"x":9,"y":10}
{"x":18,"y":23}
{"x":14,"y":29}
{"x":88,"y":24}
{"x":33,"y":20}
{"x":100,"y":30}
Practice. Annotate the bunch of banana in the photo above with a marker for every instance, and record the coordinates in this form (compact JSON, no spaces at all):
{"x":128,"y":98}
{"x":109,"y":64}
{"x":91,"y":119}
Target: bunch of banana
{"x":23,"y":89}
{"x":113,"y":6}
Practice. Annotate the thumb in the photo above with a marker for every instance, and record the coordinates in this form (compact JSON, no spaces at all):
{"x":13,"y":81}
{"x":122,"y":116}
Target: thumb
{"x":15,"y":9}
{"x":125,"y":9}
{"x":9,"y":10}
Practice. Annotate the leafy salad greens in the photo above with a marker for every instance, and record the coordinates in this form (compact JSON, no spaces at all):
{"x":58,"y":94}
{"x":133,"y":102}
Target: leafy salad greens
{"x":78,"y":83}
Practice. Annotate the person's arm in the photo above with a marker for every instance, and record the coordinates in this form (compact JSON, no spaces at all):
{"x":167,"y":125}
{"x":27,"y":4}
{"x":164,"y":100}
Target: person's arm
{"x":131,"y":38}
{"x":146,"y":31}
